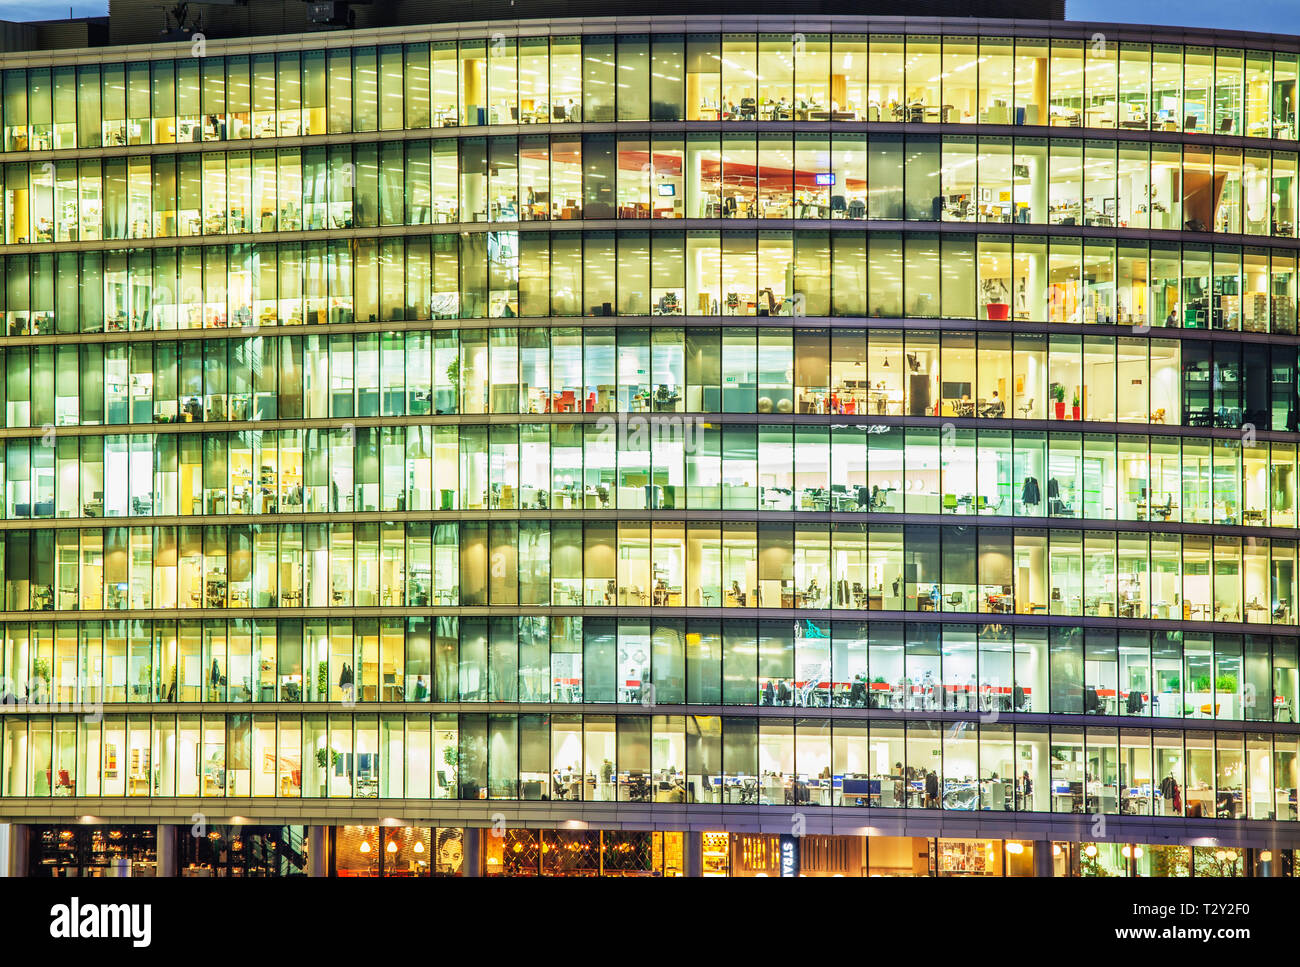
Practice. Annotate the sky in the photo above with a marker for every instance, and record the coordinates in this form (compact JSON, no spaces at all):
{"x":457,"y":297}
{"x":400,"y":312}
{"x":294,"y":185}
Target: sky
{"x":51,"y":9}
{"x":1270,"y":16}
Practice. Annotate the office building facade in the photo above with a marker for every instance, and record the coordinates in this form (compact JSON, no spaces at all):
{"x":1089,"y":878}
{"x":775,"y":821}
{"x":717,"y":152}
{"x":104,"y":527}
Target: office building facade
{"x":708,"y":443}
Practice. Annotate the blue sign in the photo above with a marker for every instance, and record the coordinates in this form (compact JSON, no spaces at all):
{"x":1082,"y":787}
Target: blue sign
{"x":789,"y":855}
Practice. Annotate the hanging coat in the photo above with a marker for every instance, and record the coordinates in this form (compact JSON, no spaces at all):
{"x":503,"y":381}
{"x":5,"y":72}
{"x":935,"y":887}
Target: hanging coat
{"x":1030,"y":495}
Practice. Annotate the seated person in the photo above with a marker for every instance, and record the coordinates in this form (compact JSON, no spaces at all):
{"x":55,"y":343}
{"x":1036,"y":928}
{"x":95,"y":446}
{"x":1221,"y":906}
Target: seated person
{"x":660,"y":592}
{"x":877,"y":500}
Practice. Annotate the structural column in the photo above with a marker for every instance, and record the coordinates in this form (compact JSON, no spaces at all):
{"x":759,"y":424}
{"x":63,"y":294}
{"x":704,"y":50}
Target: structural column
{"x":317,"y":851}
{"x":692,"y":853}
{"x":19,"y":846}
{"x":165,"y":844}
{"x":472,"y":843}
{"x":1043,"y":865}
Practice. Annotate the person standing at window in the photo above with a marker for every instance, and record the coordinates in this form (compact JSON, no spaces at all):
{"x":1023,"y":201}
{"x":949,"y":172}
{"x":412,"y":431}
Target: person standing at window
{"x":931,"y":790}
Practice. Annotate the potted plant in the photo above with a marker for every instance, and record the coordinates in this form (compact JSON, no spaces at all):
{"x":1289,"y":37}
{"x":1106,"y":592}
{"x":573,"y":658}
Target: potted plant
{"x":1075,"y":405}
{"x":1058,"y":396}
{"x":326,"y":759}
{"x":453,"y":381}
{"x":41,"y":679}
{"x":450,"y":759}
{"x":995,"y":304}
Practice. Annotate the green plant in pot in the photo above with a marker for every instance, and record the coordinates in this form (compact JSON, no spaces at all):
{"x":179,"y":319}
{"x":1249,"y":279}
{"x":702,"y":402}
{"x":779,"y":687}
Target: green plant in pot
{"x":451,"y":760}
{"x":1058,"y":397}
{"x":1075,"y":405}
{"x":453,"y":378}
{"x":40,"y":678}
{"x":326,"y":760}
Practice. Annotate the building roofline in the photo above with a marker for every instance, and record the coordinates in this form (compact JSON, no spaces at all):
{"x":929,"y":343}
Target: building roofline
{"x":1084,"y":31}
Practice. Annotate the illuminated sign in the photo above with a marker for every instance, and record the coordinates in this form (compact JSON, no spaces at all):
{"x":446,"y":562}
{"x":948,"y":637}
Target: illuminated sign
{"x":789,"y":855}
